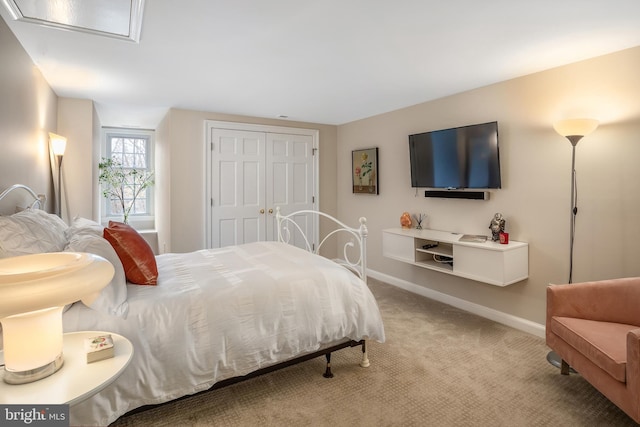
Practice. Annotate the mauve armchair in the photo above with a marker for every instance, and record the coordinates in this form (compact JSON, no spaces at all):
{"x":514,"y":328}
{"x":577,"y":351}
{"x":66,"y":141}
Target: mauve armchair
{"x":595,"y":328}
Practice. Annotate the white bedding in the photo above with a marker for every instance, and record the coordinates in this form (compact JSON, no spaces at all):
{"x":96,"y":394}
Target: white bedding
{"x":221,"y":313}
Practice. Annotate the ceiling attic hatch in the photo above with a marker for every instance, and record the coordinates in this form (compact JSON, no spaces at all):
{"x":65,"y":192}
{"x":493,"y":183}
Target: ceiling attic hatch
{"x":121,"y":19}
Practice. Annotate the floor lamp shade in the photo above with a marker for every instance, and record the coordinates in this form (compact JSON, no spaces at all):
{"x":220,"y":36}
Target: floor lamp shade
{"x":58,"y":145}
{"x":33,"y":292}
{"x":575,"y":129}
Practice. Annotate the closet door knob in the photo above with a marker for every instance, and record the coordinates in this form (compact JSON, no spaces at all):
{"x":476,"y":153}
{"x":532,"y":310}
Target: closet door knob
{"x":262,"y":211}
{"x":270,"y":211}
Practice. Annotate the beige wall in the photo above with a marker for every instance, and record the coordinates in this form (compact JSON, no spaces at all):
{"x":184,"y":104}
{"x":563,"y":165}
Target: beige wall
{"x":27,"y":114}
{"x":78,"y":122}
{"x":536,"y":166}
{"x":183,"y":132}
{"x":163,"y":184}
{"x":29,"y":110}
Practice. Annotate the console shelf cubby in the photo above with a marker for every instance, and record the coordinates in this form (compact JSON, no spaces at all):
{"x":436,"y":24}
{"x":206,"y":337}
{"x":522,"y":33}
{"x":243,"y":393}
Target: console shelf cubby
{"x":487,"y":262}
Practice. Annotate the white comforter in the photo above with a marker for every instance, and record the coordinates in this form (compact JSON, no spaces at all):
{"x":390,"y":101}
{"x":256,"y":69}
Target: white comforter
{"x":221,"y":313}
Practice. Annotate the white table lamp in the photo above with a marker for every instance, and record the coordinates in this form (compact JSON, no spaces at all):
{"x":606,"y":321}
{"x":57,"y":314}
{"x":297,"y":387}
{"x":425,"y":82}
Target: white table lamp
{"x":33,"y":292}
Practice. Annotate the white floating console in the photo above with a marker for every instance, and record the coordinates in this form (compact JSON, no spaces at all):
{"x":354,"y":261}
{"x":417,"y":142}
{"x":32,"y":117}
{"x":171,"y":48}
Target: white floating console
{"x":488,"y":262}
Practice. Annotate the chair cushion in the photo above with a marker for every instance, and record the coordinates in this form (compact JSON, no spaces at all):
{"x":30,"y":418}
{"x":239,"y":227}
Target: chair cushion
{"x":603,"y":343}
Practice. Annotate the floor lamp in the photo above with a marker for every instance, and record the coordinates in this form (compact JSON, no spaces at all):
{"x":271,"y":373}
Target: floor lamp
{"x":58,"y":145}
{"x":574,"y":130}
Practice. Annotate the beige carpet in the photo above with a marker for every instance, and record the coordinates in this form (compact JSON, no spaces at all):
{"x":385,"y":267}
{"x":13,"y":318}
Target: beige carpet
{"x":440,"y":366}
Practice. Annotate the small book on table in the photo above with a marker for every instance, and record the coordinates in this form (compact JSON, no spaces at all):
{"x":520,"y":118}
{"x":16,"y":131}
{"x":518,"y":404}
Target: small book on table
{"x":99,"y":348}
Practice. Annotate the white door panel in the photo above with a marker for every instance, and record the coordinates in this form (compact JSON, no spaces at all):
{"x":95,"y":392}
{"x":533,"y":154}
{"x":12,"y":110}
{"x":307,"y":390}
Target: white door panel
{"x":290,"y":177}
{"x":253,"y":172}
{"x":237,"y":194}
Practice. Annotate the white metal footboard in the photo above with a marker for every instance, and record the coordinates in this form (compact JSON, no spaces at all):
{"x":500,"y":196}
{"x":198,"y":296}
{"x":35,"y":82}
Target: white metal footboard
{"x":357,"y":239}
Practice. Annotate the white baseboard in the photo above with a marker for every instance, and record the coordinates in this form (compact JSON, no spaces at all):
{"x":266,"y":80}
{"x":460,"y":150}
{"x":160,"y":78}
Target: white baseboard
{"x":482,"y":311}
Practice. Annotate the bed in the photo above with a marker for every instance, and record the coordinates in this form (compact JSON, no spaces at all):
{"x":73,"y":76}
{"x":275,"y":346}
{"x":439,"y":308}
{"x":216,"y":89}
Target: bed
{"x":213,"y":316}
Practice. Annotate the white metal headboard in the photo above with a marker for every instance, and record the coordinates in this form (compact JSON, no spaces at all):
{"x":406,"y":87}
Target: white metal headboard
{"x":357,"y":238}
{"x":19,"y":197}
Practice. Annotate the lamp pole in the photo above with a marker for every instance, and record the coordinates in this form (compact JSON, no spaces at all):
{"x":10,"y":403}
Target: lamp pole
{"x":552,"y":356}
{"x":59,"y":192}
{"x":574,"y":201}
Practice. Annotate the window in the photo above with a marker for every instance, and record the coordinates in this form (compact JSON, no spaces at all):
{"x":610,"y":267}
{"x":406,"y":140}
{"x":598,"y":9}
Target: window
{"x":131,"y":149}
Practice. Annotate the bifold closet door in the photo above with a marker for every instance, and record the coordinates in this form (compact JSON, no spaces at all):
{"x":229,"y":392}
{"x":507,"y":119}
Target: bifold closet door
{"x":252,"y":173}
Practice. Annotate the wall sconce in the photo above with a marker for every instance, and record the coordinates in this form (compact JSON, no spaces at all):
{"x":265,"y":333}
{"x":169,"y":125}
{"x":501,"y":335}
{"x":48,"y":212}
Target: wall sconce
{"x":58,"y":145}
{"x":574,"y":130}
{"x":33,"y":292}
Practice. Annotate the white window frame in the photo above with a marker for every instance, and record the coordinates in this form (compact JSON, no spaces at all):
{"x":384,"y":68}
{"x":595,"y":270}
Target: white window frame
{"x":140,"y":222}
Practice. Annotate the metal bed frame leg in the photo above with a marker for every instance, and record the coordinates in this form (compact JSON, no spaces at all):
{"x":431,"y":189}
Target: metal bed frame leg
{"x":363,"y":363}
{"x":328,"y":373}
{"x":365,"y":359}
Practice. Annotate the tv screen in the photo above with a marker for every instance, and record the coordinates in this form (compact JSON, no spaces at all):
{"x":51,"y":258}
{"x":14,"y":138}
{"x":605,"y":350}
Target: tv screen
{"x":457,"y":158}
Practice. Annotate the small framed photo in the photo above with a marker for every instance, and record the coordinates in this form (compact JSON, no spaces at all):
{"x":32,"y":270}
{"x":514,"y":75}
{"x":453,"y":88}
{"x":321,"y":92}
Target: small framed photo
{"x":364,"y":170}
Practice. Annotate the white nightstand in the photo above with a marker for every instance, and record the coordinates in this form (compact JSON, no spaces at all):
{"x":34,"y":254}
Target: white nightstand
{"x":76,"y":380}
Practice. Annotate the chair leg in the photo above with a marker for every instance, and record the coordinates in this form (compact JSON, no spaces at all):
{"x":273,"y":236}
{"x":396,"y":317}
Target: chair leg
{"x":565,"y":368}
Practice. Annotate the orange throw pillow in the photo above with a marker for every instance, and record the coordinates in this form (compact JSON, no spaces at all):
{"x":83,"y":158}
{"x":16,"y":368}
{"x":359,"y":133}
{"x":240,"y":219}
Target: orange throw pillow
{"x":135,"y":253}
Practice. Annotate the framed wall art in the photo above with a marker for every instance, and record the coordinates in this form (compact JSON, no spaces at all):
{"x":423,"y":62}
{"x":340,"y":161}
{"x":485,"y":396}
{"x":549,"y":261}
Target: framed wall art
{"x":364,"y":170}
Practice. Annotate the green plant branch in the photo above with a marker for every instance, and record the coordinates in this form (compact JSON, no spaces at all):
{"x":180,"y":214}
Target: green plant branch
{"x":116,"y":180}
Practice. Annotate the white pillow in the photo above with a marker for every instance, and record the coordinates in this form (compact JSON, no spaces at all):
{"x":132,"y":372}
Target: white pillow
{"x":31,"y":231}
{"x":81,"y":225}
{"x":112,"y":299}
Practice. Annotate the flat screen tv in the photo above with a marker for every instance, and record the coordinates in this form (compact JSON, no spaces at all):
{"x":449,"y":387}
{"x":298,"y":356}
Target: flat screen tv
{"x":457,"y":158}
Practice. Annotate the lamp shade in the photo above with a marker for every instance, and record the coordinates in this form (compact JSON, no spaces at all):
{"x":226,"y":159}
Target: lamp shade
{"x":34,"y":282}
{"x":575,"y":127}
{"x":58,"y":144}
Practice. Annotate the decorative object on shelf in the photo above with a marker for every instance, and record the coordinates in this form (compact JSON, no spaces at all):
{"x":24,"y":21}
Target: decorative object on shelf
{"x":57,"y":146}
{"x":33,"y":292}
{"x":497,"y":226}
{"x":419,"y":218}
{"x":476,"y":238}
{"x":504,"y":238}
{"x":364,"y":165}
{"x":405,"y":220}
{"x":123,"y":184}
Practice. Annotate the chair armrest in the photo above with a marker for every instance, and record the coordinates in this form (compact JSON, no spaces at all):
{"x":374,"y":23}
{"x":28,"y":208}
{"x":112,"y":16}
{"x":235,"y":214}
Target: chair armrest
{"x":615,"y":300}
{"x":633,"y":363}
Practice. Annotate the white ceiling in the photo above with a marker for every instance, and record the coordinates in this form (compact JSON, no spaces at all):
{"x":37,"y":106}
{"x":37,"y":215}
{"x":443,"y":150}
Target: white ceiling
{"x":323,"y":61}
